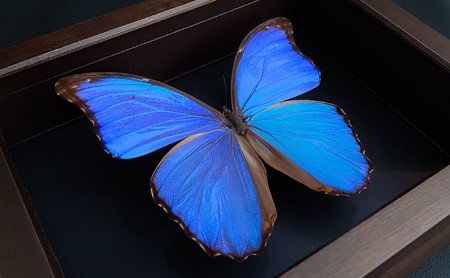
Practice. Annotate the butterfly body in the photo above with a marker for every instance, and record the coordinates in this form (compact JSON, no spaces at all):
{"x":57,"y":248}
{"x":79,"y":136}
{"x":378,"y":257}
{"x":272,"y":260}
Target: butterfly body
{"x":213,"y":182}
{"x":235,"y":121}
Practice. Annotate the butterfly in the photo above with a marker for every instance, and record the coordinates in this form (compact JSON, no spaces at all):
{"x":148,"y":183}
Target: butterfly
{"x":213,"y":182}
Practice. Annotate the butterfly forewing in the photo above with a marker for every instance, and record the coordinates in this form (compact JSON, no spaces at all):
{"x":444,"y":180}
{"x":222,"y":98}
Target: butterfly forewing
{"x":269,"y":68}
{"x":134,"y":116}
{"x":215,"y":186}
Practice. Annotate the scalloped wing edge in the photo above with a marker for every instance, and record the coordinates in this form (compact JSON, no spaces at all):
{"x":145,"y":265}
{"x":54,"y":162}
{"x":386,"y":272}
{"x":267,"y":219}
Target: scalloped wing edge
{"x":267,"y":228}
{"x":66,"y":88}
{"x":282,"y":163}
{"x":279,"y":22}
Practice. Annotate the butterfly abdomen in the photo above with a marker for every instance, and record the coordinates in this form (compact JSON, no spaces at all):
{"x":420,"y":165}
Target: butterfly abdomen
{"x":235,"y":121}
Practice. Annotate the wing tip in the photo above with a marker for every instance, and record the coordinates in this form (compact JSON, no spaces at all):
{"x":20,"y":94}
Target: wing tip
{"x":286,"y":26}
{"x":68,"y":85}
{"x":210,"y":252}
{"x":66,"y":88}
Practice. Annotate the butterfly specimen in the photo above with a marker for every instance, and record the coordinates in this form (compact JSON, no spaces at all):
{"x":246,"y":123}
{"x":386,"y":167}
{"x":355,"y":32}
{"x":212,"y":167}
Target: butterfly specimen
{"x":213,"y":182}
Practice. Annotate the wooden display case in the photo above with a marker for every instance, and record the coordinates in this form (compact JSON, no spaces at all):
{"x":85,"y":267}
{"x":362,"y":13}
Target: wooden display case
{"x":68,"y":209}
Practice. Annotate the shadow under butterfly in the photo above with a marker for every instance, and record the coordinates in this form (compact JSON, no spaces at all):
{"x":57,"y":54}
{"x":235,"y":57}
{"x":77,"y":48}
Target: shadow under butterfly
{"x":213,"y":182}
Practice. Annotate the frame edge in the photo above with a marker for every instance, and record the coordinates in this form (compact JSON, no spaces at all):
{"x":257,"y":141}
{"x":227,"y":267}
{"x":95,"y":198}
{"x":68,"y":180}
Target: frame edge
{"x":407,"y":225}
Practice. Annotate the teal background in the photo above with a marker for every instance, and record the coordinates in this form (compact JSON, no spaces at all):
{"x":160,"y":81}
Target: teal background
{"x":436,"y":267}
{"x":435,"y":13}
{"x":22,"y":20}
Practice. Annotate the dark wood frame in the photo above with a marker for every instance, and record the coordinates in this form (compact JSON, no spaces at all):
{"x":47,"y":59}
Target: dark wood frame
{"x":76,"y":37}
{"x":382,"y":245}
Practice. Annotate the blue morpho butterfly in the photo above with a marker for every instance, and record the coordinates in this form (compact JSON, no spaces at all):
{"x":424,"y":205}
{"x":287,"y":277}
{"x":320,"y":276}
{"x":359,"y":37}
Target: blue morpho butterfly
{"x":213,"y":183}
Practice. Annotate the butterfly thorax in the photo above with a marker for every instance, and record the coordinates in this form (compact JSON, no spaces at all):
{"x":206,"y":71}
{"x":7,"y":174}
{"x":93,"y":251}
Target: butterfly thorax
{"x":235,"y":121}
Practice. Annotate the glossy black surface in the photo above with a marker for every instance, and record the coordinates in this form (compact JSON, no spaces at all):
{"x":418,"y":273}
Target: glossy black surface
{"x":100,"y":220}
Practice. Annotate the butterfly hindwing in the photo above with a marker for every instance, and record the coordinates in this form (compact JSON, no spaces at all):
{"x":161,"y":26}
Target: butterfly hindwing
{"x":215,"y":186}
{"x":314,"y":143}
{"x":134,"y":116}
{"x":269,"y":68}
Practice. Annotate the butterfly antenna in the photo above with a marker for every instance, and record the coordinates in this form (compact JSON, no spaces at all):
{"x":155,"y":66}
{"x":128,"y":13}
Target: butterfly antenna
{"x":226,"y":90}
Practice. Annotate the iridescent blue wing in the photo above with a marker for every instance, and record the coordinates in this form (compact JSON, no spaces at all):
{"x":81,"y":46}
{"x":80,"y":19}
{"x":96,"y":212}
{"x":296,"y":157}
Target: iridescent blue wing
{"x":312,"y":142}
{"x":269,"y":68}
{"x":133,"y":115}
{"x":214,"y":185}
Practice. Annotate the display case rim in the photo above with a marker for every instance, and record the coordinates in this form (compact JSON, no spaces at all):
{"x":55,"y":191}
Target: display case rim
{"x":58,"y":43}
{"x":79,"y":36}
{"x":391,"y":251}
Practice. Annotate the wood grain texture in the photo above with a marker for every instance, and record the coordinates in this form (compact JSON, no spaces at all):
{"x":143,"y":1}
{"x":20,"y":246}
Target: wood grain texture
{"x":21,"y":252}
{"x":430,"y":41}
{"x":82,"y":35}
{"x":416,"y":253}
{"x":420,"y":216}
